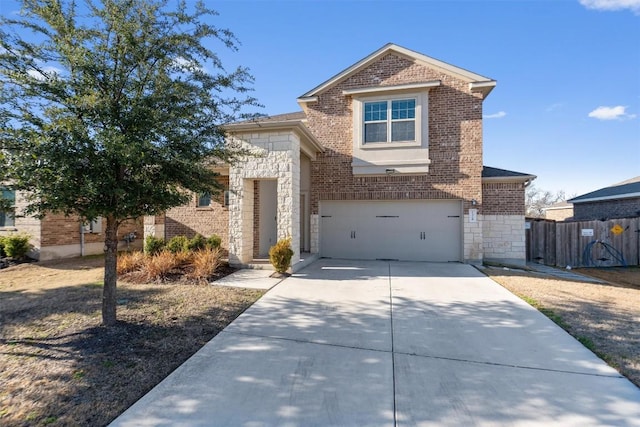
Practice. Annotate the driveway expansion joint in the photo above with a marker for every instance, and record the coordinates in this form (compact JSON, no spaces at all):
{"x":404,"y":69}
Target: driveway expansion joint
{"x":297,"y":340}
{"x":507,"y":365}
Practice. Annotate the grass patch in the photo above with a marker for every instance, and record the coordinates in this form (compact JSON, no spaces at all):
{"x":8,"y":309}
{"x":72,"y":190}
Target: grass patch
{"x":558,"y":320}
{"x":59,"y":366}
{"x":555,"y":318}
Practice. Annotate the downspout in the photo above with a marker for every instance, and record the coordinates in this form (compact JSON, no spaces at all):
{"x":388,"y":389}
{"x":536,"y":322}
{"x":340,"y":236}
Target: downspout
{"x":81,"y":238}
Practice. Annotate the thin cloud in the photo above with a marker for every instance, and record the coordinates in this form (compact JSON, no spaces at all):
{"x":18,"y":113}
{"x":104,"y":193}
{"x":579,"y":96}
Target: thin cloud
{"x":611,"y":113}
{"x":185,"y":64}
{"x":554,"y":107}
{"x":47,"y":72}
{"x":612,"y":5}
{"x":498,"y":115}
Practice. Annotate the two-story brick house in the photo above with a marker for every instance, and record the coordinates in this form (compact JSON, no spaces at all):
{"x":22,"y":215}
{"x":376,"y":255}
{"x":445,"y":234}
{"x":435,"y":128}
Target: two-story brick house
{"x":383,"y":162}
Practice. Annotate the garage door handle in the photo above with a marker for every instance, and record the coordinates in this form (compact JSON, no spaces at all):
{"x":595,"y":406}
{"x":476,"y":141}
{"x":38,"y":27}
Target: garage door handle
{"x":453,"y":216}
{"x":423,"y":235}
{"x":353,"y":234}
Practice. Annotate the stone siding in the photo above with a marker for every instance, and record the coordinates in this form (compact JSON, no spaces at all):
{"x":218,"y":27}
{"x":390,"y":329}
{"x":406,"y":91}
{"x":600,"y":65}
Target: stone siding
{"x":607,"y":209}
{"x":473,"y":237}
{"x":504,"y":239}
{"x":276,"y":155}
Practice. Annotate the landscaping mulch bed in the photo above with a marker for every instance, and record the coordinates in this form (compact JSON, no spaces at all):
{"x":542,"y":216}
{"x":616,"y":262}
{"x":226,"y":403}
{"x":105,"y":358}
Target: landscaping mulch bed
{"x":59,"y":366}
{"x":603,"y":316}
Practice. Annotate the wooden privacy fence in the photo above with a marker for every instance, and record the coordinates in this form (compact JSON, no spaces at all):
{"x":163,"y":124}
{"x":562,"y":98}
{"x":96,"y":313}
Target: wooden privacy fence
{"x":583,"y":243}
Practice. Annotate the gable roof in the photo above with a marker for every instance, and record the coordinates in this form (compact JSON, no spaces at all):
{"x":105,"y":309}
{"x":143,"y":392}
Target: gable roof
{"x":289,"y":121}
{"x":624,"y":190}
{"x":503,"y":175}
{"x":477,"y":83}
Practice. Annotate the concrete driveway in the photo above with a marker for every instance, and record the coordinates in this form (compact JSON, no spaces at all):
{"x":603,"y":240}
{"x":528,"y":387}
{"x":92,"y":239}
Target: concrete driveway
{"x":372,"y":343}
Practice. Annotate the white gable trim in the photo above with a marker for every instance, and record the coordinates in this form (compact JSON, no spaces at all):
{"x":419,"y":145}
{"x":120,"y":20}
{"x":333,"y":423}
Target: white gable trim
{"x":604,"y":198}
{"x":466,"y":75}
{"x":377,"y":89}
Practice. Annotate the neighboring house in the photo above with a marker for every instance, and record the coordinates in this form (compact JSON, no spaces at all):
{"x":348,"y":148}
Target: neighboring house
{"x":620,"y":200}
{"x":57,"y":236}
{"x":383,"y":162}
{"x":559,"y":211}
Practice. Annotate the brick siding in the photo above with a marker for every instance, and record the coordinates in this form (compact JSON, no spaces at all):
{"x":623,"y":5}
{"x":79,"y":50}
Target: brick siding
{"x":505,"y":198}
{"x":57,"y":229}
{"x":455,"y":139}
{"x":607,"y":209}
{"x":189,"y":220}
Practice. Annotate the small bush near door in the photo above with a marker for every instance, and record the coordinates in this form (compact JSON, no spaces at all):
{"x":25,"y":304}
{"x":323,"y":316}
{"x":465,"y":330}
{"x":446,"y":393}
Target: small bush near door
{"x":280,"y":255}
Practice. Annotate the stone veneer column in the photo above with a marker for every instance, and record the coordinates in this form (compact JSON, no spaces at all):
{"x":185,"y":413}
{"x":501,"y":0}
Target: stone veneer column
{"x":314,"y":231}
{"x":276,"y":156}
{"x":473,"y":246}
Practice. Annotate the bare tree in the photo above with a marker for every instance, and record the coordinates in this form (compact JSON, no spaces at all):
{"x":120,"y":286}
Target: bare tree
{"x":537,"y":200}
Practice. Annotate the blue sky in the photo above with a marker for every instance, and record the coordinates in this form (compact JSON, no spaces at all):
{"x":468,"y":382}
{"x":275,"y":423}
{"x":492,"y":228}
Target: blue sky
{"x":567,"y":104}
{"x":556,"y":62}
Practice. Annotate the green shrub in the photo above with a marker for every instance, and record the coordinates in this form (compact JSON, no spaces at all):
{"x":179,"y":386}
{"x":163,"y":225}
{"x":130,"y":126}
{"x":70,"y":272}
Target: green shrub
{"x":2,"y":252}
{"x":197,"y":242}
{"x":17,"y":245}
{"x":214,"y":241}
{"x":153,"y":245}
{"x":178,"y":244}
{"x":280,"y":255}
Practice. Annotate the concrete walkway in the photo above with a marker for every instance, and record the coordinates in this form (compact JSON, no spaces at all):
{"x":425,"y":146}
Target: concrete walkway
{"x":345,"y":343}
{"x":562,"y":273}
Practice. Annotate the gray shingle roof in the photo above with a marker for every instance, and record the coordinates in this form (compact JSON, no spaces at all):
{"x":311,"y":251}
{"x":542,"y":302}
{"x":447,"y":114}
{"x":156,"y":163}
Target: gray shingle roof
{"x":489,"y":172}
{"x":296,"y":116}
{"x":628,"y":188}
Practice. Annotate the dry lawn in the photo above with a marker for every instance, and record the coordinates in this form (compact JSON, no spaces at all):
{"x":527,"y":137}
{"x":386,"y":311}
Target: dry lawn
{"x":58,"y":366}
{"x":603,"y":316}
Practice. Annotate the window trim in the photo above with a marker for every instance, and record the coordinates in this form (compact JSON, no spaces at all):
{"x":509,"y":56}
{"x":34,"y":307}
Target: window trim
{"x":421,"y":99}
{"x":389,"y":121}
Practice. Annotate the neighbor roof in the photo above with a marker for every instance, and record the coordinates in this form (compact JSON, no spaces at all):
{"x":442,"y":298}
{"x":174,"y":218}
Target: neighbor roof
{"x":489,"y":173}
{"x":624,"y":190}
{"x":477,"y":83}
{"x":559,"y":205}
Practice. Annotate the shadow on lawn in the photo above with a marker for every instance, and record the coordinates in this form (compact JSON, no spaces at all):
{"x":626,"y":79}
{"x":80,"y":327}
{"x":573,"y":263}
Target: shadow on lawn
{"x":59,"y":366}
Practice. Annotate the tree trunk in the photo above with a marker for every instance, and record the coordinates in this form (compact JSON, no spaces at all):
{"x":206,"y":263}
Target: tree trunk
{"x":109,"y":300}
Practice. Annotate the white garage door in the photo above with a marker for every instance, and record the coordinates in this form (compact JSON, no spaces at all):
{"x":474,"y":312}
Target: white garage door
{"x":403,"y":230}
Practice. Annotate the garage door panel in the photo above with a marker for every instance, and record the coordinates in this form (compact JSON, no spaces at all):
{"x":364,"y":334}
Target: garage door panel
{"x":404,"y":230}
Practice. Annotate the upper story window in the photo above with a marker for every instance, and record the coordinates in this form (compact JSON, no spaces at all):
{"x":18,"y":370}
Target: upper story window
{"x":7,"y":218}
{"x":390,"y":121}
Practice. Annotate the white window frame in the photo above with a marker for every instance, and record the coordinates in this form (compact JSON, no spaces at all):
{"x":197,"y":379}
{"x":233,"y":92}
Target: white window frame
{"x":421,"y":99}
{"x":389,"y":121}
